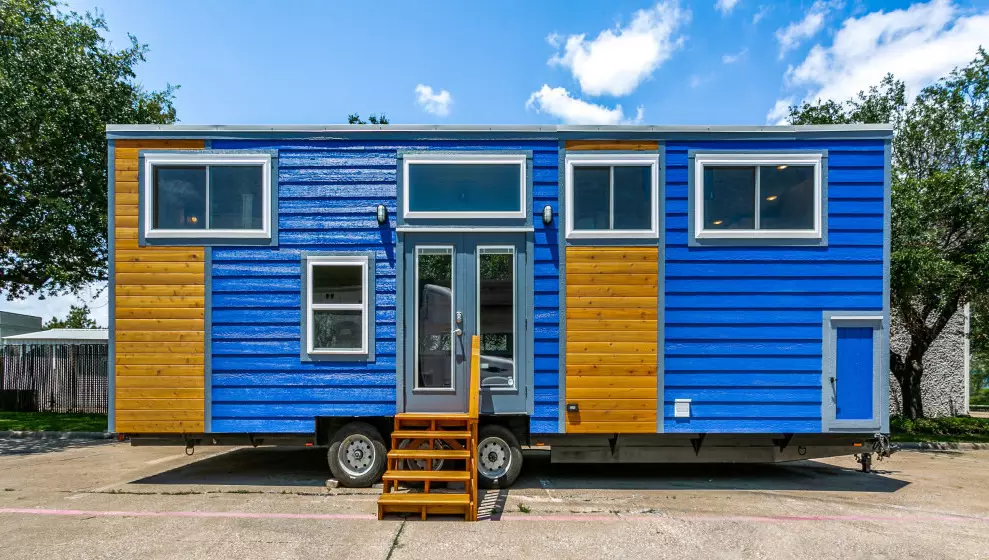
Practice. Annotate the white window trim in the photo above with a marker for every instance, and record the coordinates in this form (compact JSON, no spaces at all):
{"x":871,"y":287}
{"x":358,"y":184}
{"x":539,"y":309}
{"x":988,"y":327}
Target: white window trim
{"x":463,"y":159}
{"x":151,"y":160}
{"x":613,"y":160}
{"x":336,"y":260}
{"x":499,"y":250}
{"x":754,"y":159}
{"x":452,"y":251}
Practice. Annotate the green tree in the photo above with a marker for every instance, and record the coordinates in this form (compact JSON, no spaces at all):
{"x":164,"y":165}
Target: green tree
{"x":60,"y":85}
{"x":940,"y":202}
{"x":77,"y":318}
{"x":355,"y":118}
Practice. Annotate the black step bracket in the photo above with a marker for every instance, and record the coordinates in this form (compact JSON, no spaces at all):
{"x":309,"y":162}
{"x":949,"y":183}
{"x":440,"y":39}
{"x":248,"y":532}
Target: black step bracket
{"x":697,"y":442}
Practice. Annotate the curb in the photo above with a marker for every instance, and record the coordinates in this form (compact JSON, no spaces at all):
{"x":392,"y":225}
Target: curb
{"x":56,"y":435}
{"x":942,"y":446}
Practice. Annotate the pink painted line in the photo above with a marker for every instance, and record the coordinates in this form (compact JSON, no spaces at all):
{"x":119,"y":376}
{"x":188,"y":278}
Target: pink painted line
{"x":598,"y":518}
{"x":747,"y":518}
{"x":192,"y":514}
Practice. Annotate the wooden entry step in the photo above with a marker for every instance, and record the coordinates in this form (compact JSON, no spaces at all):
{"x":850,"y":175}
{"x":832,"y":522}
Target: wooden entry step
{"x":425,"y":504}
{"x":427,"y":449}
{"x":430,"y":434}
{"x":426,"y":476}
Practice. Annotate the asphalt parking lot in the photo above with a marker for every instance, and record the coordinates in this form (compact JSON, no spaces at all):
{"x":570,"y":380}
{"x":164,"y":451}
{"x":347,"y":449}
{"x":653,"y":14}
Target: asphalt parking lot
{"x":110,"y":500}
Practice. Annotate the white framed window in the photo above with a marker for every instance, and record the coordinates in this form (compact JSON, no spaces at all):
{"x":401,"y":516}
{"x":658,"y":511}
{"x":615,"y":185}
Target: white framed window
{"x":496,"y":316}
{"x":434,"y":345}
{"x":337,"y":305}
{"x":612,"y":196}
{"x":207,"y":195}
{"x":757,"y":195}
{"x":464,"y":185}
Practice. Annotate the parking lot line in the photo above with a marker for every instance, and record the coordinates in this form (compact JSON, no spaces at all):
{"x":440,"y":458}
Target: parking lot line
{"x":544,"y":518}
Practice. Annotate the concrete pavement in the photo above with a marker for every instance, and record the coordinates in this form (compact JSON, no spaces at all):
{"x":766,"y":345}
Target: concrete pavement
{"x":110,"y":500}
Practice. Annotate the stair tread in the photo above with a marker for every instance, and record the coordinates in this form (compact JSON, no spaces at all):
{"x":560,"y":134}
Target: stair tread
{"x":433,"y":416}
{"x":426,"y":475}
{"x":429,"y":454}
{"x":424,"y":499}
{"x":426,"y":434}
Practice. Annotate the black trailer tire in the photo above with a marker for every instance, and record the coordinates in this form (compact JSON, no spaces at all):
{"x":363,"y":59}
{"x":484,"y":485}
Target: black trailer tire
{"x":499,"y":457}
{"x":357,"y":455}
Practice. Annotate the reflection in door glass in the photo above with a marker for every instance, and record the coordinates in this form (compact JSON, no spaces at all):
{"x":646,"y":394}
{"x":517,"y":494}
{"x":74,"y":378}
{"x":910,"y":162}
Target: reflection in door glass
{"x":434,"y":312}
{"x":496,"y":315}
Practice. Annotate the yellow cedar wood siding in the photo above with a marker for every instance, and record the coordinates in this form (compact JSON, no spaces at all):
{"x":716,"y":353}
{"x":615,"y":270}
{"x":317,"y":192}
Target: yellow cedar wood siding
{"x":159,"y":306}
{"x":612,"y":302}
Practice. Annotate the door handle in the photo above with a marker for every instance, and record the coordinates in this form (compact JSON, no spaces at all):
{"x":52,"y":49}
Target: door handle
{"x":459,"y":332}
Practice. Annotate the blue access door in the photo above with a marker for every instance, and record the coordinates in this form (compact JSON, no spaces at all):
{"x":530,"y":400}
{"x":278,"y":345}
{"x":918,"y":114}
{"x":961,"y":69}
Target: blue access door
{"x":456,"y":285}
{"x":852,"y":353}
{"x":854,"y":362}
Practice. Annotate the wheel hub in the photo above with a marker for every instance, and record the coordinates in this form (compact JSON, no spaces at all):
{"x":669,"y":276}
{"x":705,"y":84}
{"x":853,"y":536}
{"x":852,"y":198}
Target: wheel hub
{"x":495,"y":457}
{"x":358,"y":455}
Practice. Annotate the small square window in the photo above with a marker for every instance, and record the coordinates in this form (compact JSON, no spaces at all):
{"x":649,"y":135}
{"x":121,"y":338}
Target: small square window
{"x":207,"y":195}
{"x":739,"y":195}
{"x":338,"y":297}
{"x":612,"y":196}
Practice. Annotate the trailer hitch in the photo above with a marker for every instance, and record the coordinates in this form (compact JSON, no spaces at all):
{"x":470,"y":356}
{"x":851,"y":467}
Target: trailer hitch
{"x":881,"y":448}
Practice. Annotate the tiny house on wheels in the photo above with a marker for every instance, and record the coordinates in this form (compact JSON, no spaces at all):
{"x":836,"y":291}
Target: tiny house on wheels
{"x":616,"y":293}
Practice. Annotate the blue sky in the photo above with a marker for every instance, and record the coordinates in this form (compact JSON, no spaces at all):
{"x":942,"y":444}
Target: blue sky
{"x":527,"y":62}
{"x":314,"y":62}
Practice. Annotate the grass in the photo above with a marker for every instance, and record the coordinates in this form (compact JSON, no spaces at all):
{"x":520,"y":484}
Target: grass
{"x":956,"y":429}
{"x":980,"y":398}
{"x":50,"y":421}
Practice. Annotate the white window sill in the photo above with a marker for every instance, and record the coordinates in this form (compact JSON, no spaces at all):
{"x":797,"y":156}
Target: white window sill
{"x":758,"y":234}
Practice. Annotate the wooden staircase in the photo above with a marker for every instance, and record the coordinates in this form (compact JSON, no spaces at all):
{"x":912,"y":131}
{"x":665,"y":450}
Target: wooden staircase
{"x":430,"y":449}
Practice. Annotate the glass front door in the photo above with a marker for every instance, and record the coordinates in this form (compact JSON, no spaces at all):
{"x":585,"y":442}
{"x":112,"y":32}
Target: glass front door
{"x":456,"y":286}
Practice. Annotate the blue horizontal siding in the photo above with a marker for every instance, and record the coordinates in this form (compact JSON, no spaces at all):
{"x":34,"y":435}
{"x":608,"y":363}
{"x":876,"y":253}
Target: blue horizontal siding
{"x":327,"y":191}
{"x":742,"y":324}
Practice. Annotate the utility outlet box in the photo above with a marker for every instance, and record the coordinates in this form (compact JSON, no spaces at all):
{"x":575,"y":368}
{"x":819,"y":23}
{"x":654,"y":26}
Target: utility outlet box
{"x":681,"y":408}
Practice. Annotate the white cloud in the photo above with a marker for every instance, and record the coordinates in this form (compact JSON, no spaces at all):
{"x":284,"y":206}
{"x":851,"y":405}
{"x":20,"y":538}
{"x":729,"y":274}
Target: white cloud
{"x":780,"y":111}
{"x":917,"y":45}
{"x":618,"y":60}
{"x":733,"y":58}
{"x":792,"y":35}
{"x":94,"y":296}
{"x":559,"y":103}
{"x":725,"y":6}
{"x":434,"y":103}
{"x":762,"y":13}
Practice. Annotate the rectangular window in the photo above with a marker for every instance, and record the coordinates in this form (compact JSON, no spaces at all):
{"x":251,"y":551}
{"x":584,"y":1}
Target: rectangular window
{"x":464,"y":186}
{"x":337,"y":307}
{"x":496,"y":320}
{"x":754,"y":195}
{"x":614,"y":195}
{"x":207,"y":195}
{"x":434,"y":326}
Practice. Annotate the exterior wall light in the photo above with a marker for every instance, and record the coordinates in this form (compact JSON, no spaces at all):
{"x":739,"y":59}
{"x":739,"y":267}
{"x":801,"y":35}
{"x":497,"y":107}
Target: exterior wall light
{"x":382,"y":214}
{"x":547,"y":214}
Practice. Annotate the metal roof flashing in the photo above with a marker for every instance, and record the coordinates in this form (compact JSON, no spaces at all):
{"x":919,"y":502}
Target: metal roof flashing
{"x":115,"y":131}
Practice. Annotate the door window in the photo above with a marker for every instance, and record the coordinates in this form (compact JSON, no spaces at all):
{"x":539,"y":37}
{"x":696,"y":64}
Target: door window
{"x":434,"y":318}
{"x":496,"y":315}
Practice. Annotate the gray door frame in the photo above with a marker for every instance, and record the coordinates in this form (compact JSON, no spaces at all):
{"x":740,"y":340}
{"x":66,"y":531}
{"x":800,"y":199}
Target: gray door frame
{"x":494,"y":400}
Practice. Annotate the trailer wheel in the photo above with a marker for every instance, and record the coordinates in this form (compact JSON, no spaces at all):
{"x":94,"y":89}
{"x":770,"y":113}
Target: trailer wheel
{"x":499,"y":457}
{"x":357,"y":455}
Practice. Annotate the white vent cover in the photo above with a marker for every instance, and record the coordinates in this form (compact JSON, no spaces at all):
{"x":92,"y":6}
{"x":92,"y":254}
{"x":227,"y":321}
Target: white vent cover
{"x":681,"y":408}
